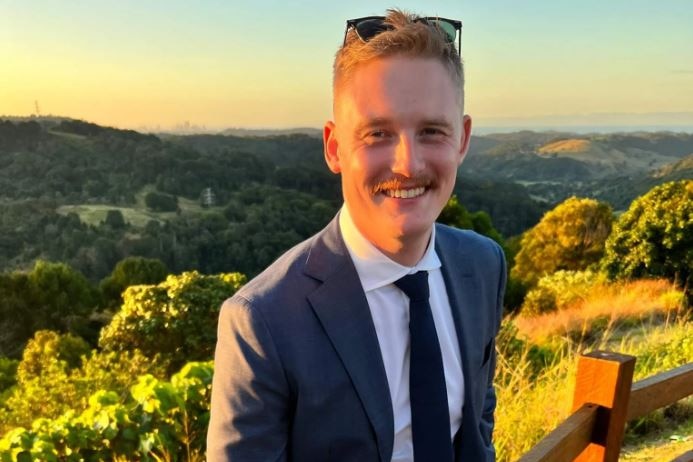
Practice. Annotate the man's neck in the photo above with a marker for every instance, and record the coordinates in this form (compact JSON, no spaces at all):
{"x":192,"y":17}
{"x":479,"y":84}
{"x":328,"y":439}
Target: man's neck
{"x":404,"y":250}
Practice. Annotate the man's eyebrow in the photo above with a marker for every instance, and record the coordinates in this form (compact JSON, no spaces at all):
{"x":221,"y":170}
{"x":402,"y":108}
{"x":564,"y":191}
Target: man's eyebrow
{"x":372,"y":123}
{"x":437,"y":122}
{"x":377,"y":122}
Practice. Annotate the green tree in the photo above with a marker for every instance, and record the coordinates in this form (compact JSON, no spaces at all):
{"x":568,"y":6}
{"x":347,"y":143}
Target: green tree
{"x":176,"y":318}
{"x":454,"y":214}
{"x":159,"y":202}
{"x":51,"y":296}
{"x":569,"y":237}
{"x":17,"y":316}
{"x":654,"y":237}
{"x":58,"y":373}
{"x":64,"y":297}
{"x":129,"y":272}
{"x":115,"y":219}
{"x":48,"y":347}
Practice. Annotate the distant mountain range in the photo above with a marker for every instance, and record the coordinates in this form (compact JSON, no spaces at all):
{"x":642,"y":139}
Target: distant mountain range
{"x":552,"y":166}
{"x":244,"y":132}
{"x":554,"y":156}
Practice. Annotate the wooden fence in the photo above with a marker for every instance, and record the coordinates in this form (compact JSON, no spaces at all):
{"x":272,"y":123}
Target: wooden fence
{"x":605,"y":399}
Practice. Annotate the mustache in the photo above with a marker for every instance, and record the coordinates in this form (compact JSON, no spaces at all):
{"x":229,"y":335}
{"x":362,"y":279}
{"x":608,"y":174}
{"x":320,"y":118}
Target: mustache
{"x":397,"y":182}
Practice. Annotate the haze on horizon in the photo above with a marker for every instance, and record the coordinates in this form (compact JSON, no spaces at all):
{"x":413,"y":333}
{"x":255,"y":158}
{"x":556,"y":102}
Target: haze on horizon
{"x":267,"y":64}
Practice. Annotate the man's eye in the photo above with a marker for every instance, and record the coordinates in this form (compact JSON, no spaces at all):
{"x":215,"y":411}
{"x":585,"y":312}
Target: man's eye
{"x":376,"y":135}
{"x":432,"y":131}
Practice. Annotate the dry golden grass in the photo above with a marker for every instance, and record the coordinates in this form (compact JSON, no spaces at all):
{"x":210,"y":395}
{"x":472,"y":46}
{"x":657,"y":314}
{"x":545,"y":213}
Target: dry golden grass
{"x":647,"y":300}
{"x":530,"y":406}
{"x":533,"y":400}
{"x":570,"y":145}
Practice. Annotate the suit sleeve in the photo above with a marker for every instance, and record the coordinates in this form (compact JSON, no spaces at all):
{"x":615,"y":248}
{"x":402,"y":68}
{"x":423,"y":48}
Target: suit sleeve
{"x":487,"y":417}
{"x":249,"y":418}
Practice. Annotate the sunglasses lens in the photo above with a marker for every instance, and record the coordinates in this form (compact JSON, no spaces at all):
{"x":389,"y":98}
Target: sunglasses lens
{"x":448,"y":29}
{"x":369,"y":28}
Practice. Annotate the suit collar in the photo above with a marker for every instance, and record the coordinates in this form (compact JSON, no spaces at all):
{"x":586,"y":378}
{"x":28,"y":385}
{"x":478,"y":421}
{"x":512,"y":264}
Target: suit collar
{"x":374,"y":268}
{"x":341,"y":306}
{"x":460,"y":283}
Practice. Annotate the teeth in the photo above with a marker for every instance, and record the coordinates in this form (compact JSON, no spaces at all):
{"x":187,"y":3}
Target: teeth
{"x":405,"y":193}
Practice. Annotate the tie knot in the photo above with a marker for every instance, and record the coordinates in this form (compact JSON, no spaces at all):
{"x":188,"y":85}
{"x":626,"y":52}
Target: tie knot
{"x":414,"y":285}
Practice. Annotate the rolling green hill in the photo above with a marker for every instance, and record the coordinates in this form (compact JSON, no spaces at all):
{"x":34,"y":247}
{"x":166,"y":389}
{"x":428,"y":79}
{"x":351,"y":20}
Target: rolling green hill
{"x":60,"y":180}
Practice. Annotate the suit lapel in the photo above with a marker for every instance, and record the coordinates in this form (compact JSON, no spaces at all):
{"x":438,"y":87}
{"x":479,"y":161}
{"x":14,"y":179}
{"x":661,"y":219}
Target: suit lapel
{"x":458,"y":275}
{"x":341,"y":306}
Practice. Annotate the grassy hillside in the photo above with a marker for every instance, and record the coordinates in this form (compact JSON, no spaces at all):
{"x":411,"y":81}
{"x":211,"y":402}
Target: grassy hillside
{"x":570,"y":145}
{"x":538,"y":359}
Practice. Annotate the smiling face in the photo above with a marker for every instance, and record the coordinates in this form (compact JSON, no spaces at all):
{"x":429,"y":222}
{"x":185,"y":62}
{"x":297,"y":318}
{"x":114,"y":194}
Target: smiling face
{"x":397,"y":140}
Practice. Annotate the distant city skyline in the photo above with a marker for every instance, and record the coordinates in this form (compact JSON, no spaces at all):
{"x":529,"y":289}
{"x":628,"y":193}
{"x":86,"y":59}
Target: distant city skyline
{"x":218,"y":64}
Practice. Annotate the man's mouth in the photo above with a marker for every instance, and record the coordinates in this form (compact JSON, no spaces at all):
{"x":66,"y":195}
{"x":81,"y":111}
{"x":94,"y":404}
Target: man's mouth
{"x":404,"y":193}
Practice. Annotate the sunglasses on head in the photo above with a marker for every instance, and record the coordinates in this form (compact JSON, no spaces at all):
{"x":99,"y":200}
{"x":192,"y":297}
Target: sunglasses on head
{"x":369,"y":26}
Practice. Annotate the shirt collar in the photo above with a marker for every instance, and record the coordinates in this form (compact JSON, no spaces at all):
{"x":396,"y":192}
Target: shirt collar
{"x":374,"y":268}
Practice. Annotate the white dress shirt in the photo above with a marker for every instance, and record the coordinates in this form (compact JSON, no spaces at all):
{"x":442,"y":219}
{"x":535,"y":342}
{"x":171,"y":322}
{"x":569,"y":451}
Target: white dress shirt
{"x":390,"y":312}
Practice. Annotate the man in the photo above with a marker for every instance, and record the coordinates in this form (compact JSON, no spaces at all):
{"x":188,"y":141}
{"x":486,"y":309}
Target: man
{"x":374,"y":339}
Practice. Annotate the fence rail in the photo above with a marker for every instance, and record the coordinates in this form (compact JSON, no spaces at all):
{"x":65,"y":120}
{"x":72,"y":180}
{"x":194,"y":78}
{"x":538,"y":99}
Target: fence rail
{"x":605,"y":399}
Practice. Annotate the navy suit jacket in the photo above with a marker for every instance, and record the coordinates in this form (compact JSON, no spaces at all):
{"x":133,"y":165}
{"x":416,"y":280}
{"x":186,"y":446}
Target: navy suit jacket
{"x":298,"y":373}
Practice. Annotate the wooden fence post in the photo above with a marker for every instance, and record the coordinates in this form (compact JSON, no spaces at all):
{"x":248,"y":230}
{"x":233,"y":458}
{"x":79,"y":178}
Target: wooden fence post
{"x":604,"y":378}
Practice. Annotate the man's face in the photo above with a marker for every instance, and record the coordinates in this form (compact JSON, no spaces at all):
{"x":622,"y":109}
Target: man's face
{"x":397,"y":140}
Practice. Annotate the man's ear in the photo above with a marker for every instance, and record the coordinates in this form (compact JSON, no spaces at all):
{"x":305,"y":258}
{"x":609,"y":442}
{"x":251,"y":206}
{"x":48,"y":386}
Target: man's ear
{"x":331,"y":146}
{"x":466,"y":136}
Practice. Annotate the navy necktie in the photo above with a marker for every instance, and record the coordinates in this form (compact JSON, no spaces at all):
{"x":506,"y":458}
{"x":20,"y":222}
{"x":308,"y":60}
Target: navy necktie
{"x":430,"y":417}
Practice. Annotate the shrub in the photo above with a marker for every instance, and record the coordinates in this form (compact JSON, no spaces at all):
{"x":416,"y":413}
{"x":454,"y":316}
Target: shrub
{"x":59,"y":373}
{"x":159,"y":202}
{"x":48,"y":347}
{"x":153,"y":420}
{"x":115,"y":219}
{"x":177,"y":318}
{"x":128,"y":272}
{"x":569,"y":237}
{"x":654,"y":237}
{"x":558,"y":291}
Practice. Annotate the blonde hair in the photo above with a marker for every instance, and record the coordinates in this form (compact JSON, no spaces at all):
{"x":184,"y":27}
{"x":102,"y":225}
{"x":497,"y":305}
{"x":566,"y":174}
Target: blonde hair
{"x":408,"y":37}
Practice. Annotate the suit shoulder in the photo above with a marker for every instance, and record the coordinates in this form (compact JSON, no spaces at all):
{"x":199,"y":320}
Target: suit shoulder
{"x":285,"y":271}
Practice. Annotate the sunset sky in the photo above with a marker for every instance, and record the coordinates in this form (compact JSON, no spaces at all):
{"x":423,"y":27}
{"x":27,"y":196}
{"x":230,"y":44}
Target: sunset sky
{"x":267,"y":64}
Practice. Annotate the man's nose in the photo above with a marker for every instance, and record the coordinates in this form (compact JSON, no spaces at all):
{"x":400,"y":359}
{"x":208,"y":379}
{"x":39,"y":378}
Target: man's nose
{"x":407,"y":161}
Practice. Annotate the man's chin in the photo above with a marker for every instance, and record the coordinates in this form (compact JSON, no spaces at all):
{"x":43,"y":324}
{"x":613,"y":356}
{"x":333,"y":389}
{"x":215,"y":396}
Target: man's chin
{"x":409,"y":229}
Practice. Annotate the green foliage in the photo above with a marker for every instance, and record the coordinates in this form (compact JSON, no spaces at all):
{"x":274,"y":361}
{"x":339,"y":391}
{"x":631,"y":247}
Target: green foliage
{"x":569,"y":237}
{"x":51,"y":296}
{"x":159,"y":202}
{"x":154,"y":420}
{"x":115,"y":219}
{"x":63,"y":294}
{"x":655,"y":236}
{"x":129,"y":272}
{"x":176,"y":318}
{"x":454,"y":214}
{"x":509,"y":204}
{"x":515,"y":293}
{"x":514,"y":349}
{"x":8,"y":375}
{"x":16,"y":315}
{"x":50,"y":381}
{"x":47,"y":348}
{"x":558,"y":291}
